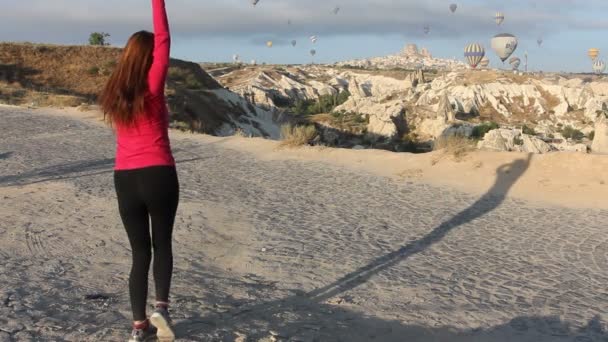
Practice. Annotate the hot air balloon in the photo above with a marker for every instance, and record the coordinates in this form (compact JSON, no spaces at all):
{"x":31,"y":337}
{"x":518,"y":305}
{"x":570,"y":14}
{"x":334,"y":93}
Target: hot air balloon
{"x":313,"y":52}
{"x":427,"y":29}
{"x":253,"y":62}
{"x":313,"y":39}
{"x":499,"y":18}
{"x":539,"y":41}
{"x":485,"y":62}
{"x":336,"y":10}
{"x":515,"y":62}
{"x":293,"y":43}
{"x":453,"y":7}
{"x":474,"y":53}
{"x":599,"y":67}
{"x":504,"y":45}
{"x":235,"y":58}
{"x":593,"y":53}
{"x":254,"y":2}
{"x":269,"y":43}
{"x":288,"y":21}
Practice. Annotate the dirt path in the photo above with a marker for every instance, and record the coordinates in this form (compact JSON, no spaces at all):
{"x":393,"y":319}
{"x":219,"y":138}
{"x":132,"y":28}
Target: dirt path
{"x":298,"y":250}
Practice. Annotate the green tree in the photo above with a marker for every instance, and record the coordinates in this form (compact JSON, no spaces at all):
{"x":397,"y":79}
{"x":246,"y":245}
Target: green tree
{"x":480,"y":131}
{"x":99,"y":38}
{"x":571,"y":133}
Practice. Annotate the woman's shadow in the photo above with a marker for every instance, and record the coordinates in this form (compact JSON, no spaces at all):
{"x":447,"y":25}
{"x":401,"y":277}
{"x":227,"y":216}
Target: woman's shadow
{"x":506,"y":176}
{"x":312,"y":303}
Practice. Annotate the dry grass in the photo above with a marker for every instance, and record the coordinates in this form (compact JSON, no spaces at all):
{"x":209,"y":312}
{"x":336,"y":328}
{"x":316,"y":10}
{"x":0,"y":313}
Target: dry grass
{"x":293,"y":136}
{"x":395,"y":74}
{"x":551,"y":101}
{"x":15,"y":94}
{"x":481,"y":77}
{"x":62,"y":76}
{"x":348,"y":122}
{"x":455,"y":145}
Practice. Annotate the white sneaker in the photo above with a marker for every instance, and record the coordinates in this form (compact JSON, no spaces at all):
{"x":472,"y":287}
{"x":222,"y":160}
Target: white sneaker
{"x":162,"y":321}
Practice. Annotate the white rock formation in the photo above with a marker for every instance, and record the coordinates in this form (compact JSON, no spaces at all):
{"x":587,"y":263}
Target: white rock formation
{"x":600,"y":141}
{"x":500,"y":140}
{"x":504,"y":139}
{"x":408,"y":58}
{"x":255,"y":121}
{"x":534,"y":145}
{"x":567,"y":102}
{"x":396,"y":104}
{"x":426,"y":53}
{"x":410,"y":50}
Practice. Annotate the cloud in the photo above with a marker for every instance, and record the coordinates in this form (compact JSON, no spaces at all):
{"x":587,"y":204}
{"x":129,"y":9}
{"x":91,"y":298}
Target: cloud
{"x":72,"y":20}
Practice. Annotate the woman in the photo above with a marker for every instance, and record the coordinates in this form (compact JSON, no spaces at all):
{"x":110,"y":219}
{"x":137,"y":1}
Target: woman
{"x":145,"y":178}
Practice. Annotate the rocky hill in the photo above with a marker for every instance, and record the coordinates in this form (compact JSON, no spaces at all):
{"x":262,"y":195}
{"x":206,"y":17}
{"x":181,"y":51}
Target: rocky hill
{"x":48,"y":75}
{"x":399,"y":105}
{"x":409,"y":58}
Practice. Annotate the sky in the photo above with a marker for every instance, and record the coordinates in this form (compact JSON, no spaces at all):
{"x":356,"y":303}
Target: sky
{"x":213,"y":31}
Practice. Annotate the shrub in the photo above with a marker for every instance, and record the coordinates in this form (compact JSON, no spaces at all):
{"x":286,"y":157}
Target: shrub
{"x":528,"y":130}
{"x":175,"y":73}
{"x":457,"y":145}
{"x":93,"y":71}
{"x":281,"y":101}
{"x":297,"y":135}
{"x":518,"y":141}
{"x":571,"y":133}
{"x":480,"y":131}
{"x":324,"y":104}
{"x":110,"y":64}
{"x":192,"y":83}
{"x":99,"y":38}
{"x":591,"y":135}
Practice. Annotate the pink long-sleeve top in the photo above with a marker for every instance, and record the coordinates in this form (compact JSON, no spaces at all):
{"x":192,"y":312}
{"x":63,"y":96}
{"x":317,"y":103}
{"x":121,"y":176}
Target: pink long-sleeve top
{"x":146,"y":142}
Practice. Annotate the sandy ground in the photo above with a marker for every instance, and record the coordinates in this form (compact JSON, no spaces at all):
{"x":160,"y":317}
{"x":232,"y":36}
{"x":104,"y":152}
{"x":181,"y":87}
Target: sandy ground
{"x":305,"y":245}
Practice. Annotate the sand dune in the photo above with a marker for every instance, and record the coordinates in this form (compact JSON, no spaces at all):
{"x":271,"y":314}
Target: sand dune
{"x":305,"y":245}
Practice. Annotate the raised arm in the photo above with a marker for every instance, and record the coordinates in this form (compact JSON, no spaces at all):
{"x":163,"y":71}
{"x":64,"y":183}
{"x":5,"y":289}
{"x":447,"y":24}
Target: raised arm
{"x":162,"y":47}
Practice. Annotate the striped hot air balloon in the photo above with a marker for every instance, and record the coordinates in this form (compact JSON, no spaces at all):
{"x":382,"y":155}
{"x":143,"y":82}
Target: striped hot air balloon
{"x":269,"y":43}
{"x":485,"y":62}
{"x":499,"y":18}
{"x":474,"y":53}
{"x":599,"y":67}
{"x":593,"y":53}
{"x":515,"y":62}
{"x":313,"y":39}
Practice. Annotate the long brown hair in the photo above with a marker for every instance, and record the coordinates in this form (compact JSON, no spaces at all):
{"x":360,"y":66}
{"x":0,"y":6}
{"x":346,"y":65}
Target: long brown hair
{"x":122,"y":99}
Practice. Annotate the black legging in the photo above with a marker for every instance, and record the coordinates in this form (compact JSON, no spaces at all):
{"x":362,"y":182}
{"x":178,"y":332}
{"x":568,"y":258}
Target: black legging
{"x":146,"y":194}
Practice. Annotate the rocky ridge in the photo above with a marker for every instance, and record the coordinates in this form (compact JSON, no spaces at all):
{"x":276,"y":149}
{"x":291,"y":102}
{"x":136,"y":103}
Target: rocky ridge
{"x":431,"y":105}
{"x":409,"y":58}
